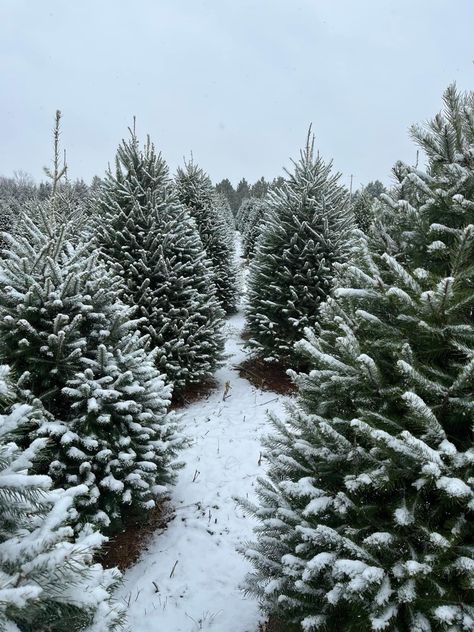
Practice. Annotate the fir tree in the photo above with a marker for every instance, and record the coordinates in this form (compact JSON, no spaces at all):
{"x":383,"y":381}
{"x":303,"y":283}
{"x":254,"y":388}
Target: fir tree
{"x":363,"y":206}
{"x":367,"y":515}
{"x":222,"y":206}
{"x":194,"y":190}
{"x":47,"y":581}
{"x":120,"y":440}
{"x":242,"y":192}
{"x":154,"y":246}
{"x":72,"y":345}
{"x":225,"y":187}
{"x":307,"y":231}
{"x":254,"y":225}
{"x":243,"y":213}
{"x":260,"y":188}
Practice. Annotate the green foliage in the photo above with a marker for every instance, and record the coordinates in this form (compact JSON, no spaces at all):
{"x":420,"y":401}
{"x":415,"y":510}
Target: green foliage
{"x":253,"y":223}
{"x":363,"y":209}
{"x":242,"y":192}
{"x":47,"y":580}
{"x":195,"y":192}
{"x":222,"y":206}
{"x":154,"y":246}
{"x":307,"y":230}
{"x":71,"y":344}
{"x":57,"y":303}
{"x":367,"y":515}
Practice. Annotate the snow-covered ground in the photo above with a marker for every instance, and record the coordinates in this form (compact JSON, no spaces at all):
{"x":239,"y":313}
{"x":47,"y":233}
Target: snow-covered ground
{"x":189,"y":578}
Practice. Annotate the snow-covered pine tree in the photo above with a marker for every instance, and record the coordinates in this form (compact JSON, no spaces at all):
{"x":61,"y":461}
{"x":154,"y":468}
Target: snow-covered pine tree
{"x":243,"y":213}
{"x":73,"y":346}
{"x":254,"y":225}
{"x":120,"y":440}
{"x":195,"y":192}
{"x":367,"y":518}
{"x":307,"y":231}
{"x":222,"y":206}
{"x":154,"y":245}
{"x":47,"y":579}
{"x":363,"y":207}
{"x":56,"y":303}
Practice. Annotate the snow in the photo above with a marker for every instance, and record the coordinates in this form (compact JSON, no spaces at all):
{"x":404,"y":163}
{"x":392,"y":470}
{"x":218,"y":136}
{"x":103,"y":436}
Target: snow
{"x":189,"y":578}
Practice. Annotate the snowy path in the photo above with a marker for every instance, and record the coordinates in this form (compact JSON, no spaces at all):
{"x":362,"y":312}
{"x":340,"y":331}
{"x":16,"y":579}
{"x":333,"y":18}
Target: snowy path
{"x":194,"y":564}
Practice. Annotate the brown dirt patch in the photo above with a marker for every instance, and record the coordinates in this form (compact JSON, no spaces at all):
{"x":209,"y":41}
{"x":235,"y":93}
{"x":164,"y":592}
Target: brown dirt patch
{"x":245,"y":334}
{"x":273,"y":625}
{"x":124,"y":548}
{"x":268,"y":376}
{"x":194,"y":393}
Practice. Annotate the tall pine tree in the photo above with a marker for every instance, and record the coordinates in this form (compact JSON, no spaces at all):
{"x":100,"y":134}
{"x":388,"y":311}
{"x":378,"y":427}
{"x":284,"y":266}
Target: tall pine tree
{"x":195,"y":191}
{"x":368,"y":512}
{"x":254,"y":225}
{"x":153,"y":244}
{"x":307,"y":231}
{"x":73,"y":347}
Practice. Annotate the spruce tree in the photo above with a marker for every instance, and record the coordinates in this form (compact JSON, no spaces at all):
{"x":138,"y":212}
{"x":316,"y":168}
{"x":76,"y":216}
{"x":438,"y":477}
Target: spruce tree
{"x":73,"y":347}
{"x":244,"y":212}
{"x":363,"y":207}
{"x":57,"y":303}
{"x":307,"y":231}
{"x":47,"y":581}
{"x":367,"y":517}
{"x":222,"y":206}
{"x":154,"y":246}
{"x":254,"y":225}
{"x":120,"y":441}
{"x":225,"y":188}
{"x":195,"y":191}
{"x":241,"y":192}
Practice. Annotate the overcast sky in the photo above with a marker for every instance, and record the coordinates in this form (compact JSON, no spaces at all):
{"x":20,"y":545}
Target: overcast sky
{"x":236,"y":82}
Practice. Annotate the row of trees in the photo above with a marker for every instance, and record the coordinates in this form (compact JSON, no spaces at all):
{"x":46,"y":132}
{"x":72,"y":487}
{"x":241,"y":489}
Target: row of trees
{"x":244,"y":190}
{"x":107,"y":309}
{"x":367,"y":513}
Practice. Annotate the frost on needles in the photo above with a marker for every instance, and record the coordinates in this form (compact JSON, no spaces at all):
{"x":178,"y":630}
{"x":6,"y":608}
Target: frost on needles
{"x":74,"y":348}
{"x":367,"y":517}
{"x":47,"y":578}
{"x":307,"y":229}
{"x":195,"y":191}
{"x":154,"y":246}
{"x":252,"y":223}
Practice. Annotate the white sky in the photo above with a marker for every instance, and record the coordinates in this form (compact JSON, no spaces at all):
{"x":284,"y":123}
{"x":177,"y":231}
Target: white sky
{"x":235,"y":81}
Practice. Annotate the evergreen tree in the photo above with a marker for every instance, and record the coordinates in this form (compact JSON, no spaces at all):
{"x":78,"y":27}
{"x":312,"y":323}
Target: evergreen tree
{"x":194,"y":190}
{"x":259,"y":189}
{"x":225,"y":188}
{"x":222,"y":206}
{"x":307,"y":231}
{"x":367,"y":515}
{"x":375,"y":189}
{"x":120,"y":441}
{"x":363,"y":209}
{"x":245,"y":210}
{"x":154,"y":246}
{"x":277,"y":183}
{"x":241,"y":193}
{"x":47,"y":581}
{"x":254,"y":225}
{"x":72,"y":345}
{"x":57,"y":304}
